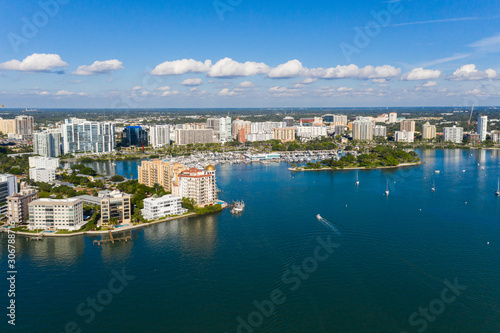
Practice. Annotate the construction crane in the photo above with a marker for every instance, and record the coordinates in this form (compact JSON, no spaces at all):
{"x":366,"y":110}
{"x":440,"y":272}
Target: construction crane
{"x":470,"y":118}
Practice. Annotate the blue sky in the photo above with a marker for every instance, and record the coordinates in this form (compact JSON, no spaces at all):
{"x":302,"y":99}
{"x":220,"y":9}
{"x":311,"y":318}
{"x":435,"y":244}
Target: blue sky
{"x":249,"y":53}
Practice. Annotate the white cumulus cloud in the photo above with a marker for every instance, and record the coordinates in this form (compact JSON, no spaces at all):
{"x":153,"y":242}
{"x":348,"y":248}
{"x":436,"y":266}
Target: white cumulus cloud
{"x":192,"y":82}
{"x":99,"y":67}
{"x":421,"y":74}
{"x":227,"y":92}
{"x":353,"y":71}
{"x":246,"y":84}
{"x":429,"y":84}
{"x":227,"y":67}
{"x":63,"y":93}
{"x":183,"y":66}
{"x":470,"y":72}
{"x":37,"y":62}
{"x":292,"y":68}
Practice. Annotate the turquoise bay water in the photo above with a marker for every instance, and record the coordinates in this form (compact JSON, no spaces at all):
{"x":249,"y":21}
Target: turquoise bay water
{"x":203,"y":274}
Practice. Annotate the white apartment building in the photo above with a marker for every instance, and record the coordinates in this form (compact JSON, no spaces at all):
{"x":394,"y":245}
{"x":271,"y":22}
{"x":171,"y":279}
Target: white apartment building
{"x":156,"y":208}
{"x":404,"y":136}
{"x":482,"y":127}
{"x":380,"y":130}
{"x":453,"y":134}
{"x":261,"y":136}
{"x":80,"y":135}
{"x":199,"y":185}
{"x":42,"y":175}
{"x":362,"y":129}
{"x":47,"y":143}
{"x":393,"y":117}
{"x":266,"y":127}
{"x":43,"y":162}
{"x":63,"y":214}
{"x":311,"y":132}
{"x":221,"y":127}
{"x":159,"y":136}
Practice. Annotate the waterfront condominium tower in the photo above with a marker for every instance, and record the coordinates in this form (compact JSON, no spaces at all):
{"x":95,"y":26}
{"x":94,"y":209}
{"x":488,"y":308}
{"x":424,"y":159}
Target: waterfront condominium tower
{"x":47,"y":144}
{"x":482,"y":127}
{"x":453,"y":134}
{"x":80,"y":135}
{"x":199,"y":185}
{"x":159,"y":172}
{"x":159,"y":135}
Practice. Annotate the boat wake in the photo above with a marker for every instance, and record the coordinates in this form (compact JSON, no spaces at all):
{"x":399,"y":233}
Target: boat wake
{"x":328,"y":224}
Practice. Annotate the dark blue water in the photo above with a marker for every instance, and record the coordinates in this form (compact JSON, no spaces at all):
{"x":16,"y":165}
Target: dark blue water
{"x":391,"y":256}
{"x":127,"y":168}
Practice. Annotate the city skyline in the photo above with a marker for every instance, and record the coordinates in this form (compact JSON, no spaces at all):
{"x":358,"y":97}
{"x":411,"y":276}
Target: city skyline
{"x":217,"y":54}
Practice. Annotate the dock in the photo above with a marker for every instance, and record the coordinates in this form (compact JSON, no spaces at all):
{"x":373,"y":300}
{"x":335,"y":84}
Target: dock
{"x":112,"y":239}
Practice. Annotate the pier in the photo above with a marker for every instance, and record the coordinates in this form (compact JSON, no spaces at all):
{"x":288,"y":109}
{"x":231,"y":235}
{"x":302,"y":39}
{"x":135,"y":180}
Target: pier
{"x":112,"y":239}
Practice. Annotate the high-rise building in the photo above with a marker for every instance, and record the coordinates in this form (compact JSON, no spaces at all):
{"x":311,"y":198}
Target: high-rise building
{"x":43,"y":162}
{"x":393,"y":117}
{"x":221,"y":127}
{"x":286,"y":134}
{"x":482,"y":127}
{"x":159,"y":172}
{"x":404,"y":136}
{"x":80,"y":135}
{"x":156,"y":208}
{"x":495,"y":136}
{"x":266,"y":127}
{"x":159,"y":135}
{"x":311,"y":132}
{"x":8,"y":126}
{"x":289,"y":121}
{"x":408,"y":125}
{"x":453,"y":134}
{"x":116,"y":205}
{"x":335,"y":119}
{"x":47,"y":144}
{"x":362,"y":129}
{"x":42,"y":175}
{"x":339,"y":129}
{"x":134,"y":136}
{"x":8,"y":186}
{"x":428,"y":131}
{"x":25,"y":125}
{"x":17,"y":205}
{"x":21,"y":126}
{"x":238,"y":125}
{"x":199,"y":185}
{"x":380,"y":131}
{"x":193,"y":136}
{"x":62,"y":214}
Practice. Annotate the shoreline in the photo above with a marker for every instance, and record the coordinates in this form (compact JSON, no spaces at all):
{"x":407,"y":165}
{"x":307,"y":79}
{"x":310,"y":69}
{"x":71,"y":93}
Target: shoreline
{"x":103,"y":232}
{"x":402,"y":165}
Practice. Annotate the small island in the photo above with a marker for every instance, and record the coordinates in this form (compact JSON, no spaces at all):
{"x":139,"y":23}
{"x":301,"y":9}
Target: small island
{"x":378,"y":157}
